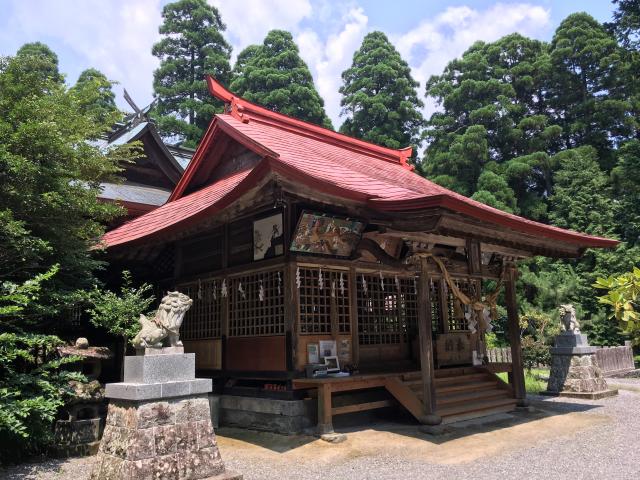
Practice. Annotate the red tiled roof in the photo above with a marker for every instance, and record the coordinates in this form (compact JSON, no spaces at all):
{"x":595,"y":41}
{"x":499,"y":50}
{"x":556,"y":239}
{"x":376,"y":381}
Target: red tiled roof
{"x":324,"y":160}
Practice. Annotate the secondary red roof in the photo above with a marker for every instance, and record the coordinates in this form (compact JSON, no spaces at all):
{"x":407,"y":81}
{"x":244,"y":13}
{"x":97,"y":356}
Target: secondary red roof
{"x":324,"y":160}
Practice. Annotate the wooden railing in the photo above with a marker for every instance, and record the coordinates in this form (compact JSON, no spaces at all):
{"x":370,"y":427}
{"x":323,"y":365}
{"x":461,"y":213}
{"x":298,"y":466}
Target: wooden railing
{"x":499,"y":355}
{"x":615,"y":360}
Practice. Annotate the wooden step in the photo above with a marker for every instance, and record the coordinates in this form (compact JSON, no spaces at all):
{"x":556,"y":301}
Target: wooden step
{"x":468,"y":386}
{"x":480,"y":412}
{"x":481,"y":407}
{"x":470,"y":397}
{"x":461,"y":378}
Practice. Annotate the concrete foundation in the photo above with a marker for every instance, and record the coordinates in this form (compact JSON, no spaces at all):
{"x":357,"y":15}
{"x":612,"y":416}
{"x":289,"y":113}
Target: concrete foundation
{"x":288,"y":417}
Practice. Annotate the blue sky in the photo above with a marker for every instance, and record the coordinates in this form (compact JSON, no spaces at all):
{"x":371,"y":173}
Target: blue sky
{"x":116,"y":36}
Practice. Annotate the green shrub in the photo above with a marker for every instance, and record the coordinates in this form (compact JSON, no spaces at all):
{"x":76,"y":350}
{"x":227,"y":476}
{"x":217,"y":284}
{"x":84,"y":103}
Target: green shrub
{"x":33,"y":387}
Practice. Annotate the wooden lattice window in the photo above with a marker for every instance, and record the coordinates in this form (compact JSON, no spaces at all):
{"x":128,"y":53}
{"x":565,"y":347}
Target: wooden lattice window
{"x":387,"y":308}
{"x":204,"y":318}
{"x":317,"y":300}
{"x":457,"y":320}
{"x":434,"y":297}
{"x":252,"y":313}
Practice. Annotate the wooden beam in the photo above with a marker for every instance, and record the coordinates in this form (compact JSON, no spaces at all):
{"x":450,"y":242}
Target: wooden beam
{"x":426,"y":348}
{"x":361,"y":407}
{"x":513,"y":325}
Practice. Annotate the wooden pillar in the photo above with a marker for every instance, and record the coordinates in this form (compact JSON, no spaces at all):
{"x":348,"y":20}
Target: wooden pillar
{"x":353,"y":316}
{"x":325,"y":417}
{"x":425,"y":337}
{"x":513,"y":325}
{"x":291,"y":314}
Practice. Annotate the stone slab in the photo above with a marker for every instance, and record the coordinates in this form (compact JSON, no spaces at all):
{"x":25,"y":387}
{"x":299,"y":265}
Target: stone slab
{"x":573,"y":350}
{"x":159,"y":368}
{"x":159,"y":351}
{"x":151,"y":391}
{"x":571,"y":340}
{"x":584,"y":395}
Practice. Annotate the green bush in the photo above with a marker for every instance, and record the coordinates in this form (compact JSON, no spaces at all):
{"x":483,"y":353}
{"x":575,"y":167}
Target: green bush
{"x":33,"y":387}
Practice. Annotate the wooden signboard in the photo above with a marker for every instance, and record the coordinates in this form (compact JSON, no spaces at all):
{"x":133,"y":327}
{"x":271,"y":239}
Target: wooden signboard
{"x":326,"y":235}
{"x":453,"y":349}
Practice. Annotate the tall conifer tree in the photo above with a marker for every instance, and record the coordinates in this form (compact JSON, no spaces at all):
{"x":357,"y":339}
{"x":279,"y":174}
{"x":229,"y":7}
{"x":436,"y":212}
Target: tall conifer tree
{"x":192,"y":47}
{"x":275,"y":76}
{"x":96,"y":93}
{"x":379,"y":96}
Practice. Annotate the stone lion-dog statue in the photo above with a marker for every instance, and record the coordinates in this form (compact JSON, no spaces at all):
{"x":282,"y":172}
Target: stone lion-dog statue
{"x":568,"y":318}
{"x":165,"y":323}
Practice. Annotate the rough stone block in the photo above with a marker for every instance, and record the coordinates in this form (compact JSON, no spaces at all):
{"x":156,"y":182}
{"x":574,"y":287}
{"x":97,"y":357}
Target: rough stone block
{"x":138,"y":470}
{"x":159,"y":368}
{"x":153,"y":414}
{"x":191,"y":409}
{"x":206,"y":437}
{"x":166,"y":467}
{"x":186,"y":437}
{"x":165,"y":439}
{"x":142,"y":444}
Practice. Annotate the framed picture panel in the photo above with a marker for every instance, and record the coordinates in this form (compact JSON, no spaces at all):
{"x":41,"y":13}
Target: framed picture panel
{"x":321,"y":234}
{"x":268,"y":237}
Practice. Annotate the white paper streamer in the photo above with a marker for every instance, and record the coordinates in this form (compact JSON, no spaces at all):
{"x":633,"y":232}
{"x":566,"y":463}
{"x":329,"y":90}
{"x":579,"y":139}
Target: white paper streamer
{"x":320,"y":280}
{"x":298,"y":278}
{"x":341,"y":284}
{"x":381,"y":282}
{"x":365,"y":289}
{"x":261,"y":292}
{"x":279,"y":284}
{"x":224,"y":288}
{"x":199,"y":294}
{"x":214,"y":293}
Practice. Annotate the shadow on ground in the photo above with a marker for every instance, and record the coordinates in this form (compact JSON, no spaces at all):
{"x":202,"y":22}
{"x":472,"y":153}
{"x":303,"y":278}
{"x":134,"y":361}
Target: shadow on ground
{"x":398,"y":422}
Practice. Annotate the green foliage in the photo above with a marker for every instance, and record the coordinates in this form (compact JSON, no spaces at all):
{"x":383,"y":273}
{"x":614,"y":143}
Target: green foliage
{"x":626,"y":23}
{"x":96,"y":97}
{"x":43,"y":61}
{"x":274,"y":76}
{"x":539,"y":329}
{"x":118,"y":312}
{"x":379,"y":96}
{"x":623,"y":296}
{"x":50,"y":171}
{"x":192,"y":46}
{"x":33,"y":384}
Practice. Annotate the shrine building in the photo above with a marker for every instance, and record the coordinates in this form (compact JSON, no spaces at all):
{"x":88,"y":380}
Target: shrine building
{"x":306,"y":250}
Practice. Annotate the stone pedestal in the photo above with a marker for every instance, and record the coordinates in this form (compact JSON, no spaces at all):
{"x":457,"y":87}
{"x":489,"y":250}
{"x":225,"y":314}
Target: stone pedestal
{"x":574,"y":369}
{"x":158,"y":424}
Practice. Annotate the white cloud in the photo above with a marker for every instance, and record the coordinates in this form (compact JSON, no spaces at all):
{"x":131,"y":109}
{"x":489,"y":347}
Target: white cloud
{"x":115,"y":37}
{"x":434,"y":42}
{"x":249,"y":21}
{"x":329,"y":58}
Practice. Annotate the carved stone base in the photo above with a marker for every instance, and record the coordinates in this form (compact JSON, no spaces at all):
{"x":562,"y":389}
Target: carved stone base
{"x":159,"y":439}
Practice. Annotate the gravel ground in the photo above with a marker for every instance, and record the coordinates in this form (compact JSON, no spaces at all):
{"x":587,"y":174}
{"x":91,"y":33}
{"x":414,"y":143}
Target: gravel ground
{"x":562,"y":439}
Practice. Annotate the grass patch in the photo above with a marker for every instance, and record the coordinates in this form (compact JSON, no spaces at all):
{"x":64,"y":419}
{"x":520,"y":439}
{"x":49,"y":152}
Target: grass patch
{"x":532,"y":381}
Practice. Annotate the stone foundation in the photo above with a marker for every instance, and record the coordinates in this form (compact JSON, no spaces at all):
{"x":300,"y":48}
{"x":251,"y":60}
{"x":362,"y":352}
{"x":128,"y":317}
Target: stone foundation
{"x":288,"y":417}
{"x":158,"y":424}
{"x":574,"y":369}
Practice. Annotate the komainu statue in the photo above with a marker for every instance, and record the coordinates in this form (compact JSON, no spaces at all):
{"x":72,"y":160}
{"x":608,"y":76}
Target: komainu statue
{"x":165,"y":324}
{"x":568,"y":318}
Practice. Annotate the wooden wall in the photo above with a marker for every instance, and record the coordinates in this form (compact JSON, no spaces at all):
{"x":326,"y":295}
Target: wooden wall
{"x":208,"y":353}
